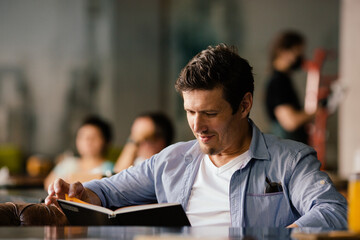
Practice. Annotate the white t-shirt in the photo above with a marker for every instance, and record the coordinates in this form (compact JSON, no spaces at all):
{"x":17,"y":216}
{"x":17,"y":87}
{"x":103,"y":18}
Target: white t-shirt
{"x":209,"y":200}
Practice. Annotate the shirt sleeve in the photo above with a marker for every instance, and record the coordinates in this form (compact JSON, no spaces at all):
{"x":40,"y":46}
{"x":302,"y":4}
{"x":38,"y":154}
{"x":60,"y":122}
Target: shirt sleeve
{"x":133,"y":186}
{"x":314,"y":195}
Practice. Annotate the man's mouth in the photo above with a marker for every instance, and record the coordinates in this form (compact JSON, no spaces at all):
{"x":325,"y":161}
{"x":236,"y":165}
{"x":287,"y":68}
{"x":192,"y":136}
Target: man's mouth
{"x":205,"y":139}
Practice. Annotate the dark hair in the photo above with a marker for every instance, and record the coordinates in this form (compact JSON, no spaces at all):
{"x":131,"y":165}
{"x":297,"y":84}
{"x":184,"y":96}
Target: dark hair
{"x":218,"y":66}
{"x":102,"y":125}
{"x":285,"y":41}
{"x":163,"y":126}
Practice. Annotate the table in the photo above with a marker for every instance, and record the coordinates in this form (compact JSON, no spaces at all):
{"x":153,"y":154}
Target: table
{"x":147,"y":233}
{"x":117,"y":232}
{"x":23,"y":181}
{"x":20,"y":195}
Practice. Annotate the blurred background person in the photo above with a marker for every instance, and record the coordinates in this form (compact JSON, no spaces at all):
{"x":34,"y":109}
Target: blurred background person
{"x":288,"y":119}
{"x":92,"y":140}
{"x":150,"y":133}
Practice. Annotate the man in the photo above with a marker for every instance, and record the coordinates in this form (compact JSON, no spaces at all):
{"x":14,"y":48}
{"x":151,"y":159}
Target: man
{"x":232,"y":174}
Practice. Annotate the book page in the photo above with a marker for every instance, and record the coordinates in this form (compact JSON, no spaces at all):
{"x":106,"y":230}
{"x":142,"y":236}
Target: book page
{"x":144,"y":207}
{"x":80,"y":203}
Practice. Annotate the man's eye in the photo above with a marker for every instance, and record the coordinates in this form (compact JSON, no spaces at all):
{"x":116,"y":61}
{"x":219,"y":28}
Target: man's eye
{"x":211,"y":114}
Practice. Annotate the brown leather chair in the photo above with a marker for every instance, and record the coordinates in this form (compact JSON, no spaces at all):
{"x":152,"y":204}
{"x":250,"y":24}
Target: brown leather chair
{"x":30,"y":214}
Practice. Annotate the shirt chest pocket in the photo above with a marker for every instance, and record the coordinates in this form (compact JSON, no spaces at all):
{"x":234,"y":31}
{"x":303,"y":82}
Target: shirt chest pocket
{"x":268,"y":210}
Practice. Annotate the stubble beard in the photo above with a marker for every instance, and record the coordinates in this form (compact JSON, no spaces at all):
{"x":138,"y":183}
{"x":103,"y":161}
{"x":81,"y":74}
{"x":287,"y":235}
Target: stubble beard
{"x":208,"y":150}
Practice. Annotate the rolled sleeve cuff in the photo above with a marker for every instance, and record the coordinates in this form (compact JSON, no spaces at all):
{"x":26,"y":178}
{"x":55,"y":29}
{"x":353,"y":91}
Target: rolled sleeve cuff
{"x":93,"y":186}
{"x":317,"y":219}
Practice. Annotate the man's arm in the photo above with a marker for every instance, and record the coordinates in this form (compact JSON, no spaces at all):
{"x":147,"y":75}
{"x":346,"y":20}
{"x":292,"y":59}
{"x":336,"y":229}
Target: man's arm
{"x":59,"y":188}
{"x":314,"y":196}
{"x":133,"y":186}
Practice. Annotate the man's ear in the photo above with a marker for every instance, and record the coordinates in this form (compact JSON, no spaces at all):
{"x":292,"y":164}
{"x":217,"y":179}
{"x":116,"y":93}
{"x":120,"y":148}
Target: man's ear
{"x":246,"y":103}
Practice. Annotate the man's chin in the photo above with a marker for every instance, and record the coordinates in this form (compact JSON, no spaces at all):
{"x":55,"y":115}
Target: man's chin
{"x":207,"y":150}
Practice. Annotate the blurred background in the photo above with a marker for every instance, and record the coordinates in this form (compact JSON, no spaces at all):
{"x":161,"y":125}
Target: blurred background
{"x":61,"y":60}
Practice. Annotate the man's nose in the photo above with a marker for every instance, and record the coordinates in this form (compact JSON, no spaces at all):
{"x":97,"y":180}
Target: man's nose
{"x":199,"y":124}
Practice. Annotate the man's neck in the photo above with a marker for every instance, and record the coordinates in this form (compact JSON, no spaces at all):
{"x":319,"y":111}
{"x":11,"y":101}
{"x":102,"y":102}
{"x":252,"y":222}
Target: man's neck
{"x":223,"y":158}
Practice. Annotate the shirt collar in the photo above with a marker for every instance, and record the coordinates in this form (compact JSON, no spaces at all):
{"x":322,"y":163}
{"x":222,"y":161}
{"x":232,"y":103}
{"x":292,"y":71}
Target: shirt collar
{"x":194,"y":152}
{"x":258,"y":148}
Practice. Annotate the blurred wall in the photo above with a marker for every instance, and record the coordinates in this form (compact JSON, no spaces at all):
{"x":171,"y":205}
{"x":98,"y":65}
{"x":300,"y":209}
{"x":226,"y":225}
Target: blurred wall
{"x":120,"y":58}
{"x":136,"y":51}
{"x":349,"y":114}
{"x":45,"y":40}
{"x":82,"y":57}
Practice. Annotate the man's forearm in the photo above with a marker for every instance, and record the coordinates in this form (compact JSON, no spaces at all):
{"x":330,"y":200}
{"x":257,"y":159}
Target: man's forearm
{"x":92,"y":197}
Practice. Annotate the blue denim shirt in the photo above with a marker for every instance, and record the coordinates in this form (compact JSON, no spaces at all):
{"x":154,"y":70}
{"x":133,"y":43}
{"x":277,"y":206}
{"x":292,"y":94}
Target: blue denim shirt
{"x":308,"y":198}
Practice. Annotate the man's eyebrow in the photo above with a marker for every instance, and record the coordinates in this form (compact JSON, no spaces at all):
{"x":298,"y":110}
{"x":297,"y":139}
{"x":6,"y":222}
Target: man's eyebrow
{"x":203,"y":111}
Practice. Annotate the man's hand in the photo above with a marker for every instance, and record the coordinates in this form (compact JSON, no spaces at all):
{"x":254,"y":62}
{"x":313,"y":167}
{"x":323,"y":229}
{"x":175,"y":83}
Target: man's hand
{"x":59,"y":188}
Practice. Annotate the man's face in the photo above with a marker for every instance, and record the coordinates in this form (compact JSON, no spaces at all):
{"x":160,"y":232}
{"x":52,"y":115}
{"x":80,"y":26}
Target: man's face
{"x":211,"y":120}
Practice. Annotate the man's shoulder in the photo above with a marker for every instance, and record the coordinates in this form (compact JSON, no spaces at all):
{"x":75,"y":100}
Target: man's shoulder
{"x":272,"y":144}
{"x":286,"y":147}
{"x":180,"y":148}
{"x":272,"y":139}
{"x":175,"y":153}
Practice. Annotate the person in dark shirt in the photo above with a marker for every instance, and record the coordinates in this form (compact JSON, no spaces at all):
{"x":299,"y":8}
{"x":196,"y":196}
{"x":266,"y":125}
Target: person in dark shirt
{"x":288,"y":119}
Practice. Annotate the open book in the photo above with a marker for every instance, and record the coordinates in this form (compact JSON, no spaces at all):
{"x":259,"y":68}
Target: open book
{"x":158,"y":214}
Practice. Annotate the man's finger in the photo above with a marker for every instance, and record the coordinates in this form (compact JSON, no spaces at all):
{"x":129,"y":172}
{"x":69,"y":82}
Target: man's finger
{"x":61,"y":188}
{"x":51,"y":191}
{"x":76,"y":190}
{"x":52,"y":200}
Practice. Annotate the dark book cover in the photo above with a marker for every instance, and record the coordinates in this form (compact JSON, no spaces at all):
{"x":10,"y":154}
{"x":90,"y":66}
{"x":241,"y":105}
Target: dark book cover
{"x":160,"y":214}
